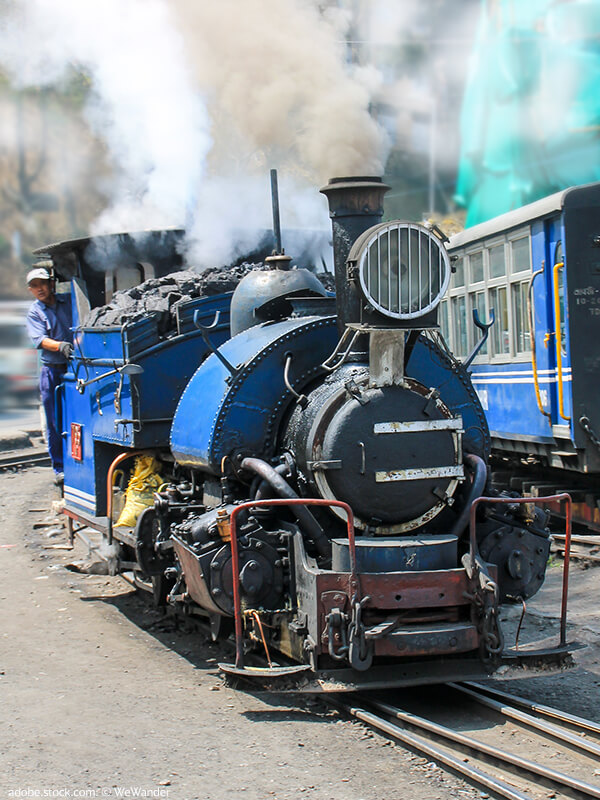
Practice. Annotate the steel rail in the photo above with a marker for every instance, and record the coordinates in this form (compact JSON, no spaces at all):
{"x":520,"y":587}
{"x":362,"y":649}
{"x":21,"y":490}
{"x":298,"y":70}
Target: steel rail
{"x":428,"y":748}
{"x":29,"y":459}
{"x":560,"y":779}
{"x":547,"y":728}
{"x":539,"y":708}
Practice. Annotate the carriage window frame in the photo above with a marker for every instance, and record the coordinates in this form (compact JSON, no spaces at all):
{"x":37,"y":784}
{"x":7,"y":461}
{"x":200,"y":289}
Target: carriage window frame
{"x":520,"y":288}
{"x":488,"y":285}
{"x":468,"y":272}
{"x":444,"y":319}
{"x":459,"y":329}
{"x":498,"y":353}
{"x":473,"y":333}
{"x":493,"y":246}
{"x":459,"y":270}
{"x":510,"y":241}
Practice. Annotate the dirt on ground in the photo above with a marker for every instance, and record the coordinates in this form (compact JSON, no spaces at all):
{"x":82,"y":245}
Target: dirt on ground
{"x":102,"y":696}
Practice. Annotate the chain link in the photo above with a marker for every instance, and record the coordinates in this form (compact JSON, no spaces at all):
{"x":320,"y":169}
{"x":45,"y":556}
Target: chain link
{"x":585,"y":424}
{"x":337,"y":623}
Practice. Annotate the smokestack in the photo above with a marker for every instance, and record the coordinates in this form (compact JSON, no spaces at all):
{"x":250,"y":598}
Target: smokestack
{"x":355,"y":205}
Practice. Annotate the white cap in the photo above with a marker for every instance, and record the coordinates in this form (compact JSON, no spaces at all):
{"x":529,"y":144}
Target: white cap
{"x":39,"y":273}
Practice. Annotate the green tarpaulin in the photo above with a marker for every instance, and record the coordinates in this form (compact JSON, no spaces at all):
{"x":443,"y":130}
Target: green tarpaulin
{"x":530,"y":121}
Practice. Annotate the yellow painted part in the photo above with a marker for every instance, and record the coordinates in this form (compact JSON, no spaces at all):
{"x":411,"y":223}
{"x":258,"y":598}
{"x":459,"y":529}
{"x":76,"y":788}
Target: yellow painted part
{"x":558,"y":340}
{"x":224,"y":525}
{"x":144,"y":482}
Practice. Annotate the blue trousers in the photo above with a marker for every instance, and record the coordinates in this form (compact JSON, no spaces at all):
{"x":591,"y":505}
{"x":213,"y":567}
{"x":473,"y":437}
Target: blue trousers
{"x":50,"y":378}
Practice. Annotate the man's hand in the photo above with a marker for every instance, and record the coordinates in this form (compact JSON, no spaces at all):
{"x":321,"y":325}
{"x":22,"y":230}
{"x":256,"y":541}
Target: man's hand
{"x":65,"y":349}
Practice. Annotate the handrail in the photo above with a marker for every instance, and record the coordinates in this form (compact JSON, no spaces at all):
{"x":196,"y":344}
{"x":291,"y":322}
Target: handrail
{"x":531,"y":316}
{"x":485,"y":328}
{"x":563,"y":497}
{"x":558,"y":340}
{"x":109,"y":486}
{"x":353,"y":584}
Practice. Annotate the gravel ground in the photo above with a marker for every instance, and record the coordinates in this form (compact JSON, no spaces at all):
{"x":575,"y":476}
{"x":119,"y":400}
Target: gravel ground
{"x":101,"y":695}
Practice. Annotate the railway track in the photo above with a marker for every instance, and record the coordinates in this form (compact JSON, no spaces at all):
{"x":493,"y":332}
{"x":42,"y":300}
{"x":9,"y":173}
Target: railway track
{"x":585,"y":547}
{"x":23,"y":459}
{"x":568,"y":740}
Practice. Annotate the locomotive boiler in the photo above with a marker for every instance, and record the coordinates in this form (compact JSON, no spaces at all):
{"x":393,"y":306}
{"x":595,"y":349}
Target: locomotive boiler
{"x":320,"y":456}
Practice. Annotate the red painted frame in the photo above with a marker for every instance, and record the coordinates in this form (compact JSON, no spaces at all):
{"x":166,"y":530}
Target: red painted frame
{"x":353,"y":586}
{"x":558,"y":498}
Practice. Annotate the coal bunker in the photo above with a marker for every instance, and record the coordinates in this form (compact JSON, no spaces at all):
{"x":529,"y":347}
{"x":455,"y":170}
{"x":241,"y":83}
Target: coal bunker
{"x":163,"y":296}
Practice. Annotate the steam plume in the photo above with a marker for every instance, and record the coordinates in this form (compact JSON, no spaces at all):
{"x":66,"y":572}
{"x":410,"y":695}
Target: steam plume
{"x":195,"y":101}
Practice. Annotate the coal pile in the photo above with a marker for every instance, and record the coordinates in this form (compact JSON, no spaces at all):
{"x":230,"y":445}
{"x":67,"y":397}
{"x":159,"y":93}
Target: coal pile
{"x":163,"y":295}
{"x":327,"y":279}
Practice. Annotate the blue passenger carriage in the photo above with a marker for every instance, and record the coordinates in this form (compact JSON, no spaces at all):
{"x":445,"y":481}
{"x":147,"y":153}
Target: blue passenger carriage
{"x":536,"y":270}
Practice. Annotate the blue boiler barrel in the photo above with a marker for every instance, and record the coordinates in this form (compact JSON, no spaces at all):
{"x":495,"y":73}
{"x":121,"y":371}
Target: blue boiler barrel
{"x":225,"y":411}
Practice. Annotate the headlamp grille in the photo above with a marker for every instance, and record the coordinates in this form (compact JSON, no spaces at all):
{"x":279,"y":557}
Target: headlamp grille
{"x":403,"y":269}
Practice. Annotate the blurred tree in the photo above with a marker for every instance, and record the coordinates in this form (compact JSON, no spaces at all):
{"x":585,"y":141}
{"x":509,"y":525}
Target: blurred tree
{"x":50,"y":170}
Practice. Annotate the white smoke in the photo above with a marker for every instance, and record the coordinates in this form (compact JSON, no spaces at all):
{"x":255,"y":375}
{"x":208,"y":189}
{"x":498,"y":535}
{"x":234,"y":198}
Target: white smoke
{"x":143,"y":103}
{"x":196,"y":101}
{"x":275,"y":78}
{"x":424,"y":55}
{"x":279,"y":94}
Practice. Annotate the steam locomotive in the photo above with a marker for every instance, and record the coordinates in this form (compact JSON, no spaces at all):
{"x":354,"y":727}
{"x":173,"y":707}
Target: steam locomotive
{"x":320,"y":456}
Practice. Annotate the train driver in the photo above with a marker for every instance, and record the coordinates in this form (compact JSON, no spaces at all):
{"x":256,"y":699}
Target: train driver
{"x":49,"y":321}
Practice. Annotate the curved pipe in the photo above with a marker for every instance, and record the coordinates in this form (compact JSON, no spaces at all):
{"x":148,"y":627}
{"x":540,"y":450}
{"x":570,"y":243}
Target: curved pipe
{"x":264,"y":489}
{"x":479,"y":468}
{"x":283,"y":489}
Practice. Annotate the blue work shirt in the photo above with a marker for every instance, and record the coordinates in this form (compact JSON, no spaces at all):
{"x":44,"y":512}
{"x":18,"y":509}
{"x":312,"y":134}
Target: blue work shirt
{"x":50,"y":322}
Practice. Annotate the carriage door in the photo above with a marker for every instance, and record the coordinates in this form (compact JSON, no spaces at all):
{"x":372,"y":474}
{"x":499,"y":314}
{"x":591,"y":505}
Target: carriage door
{"x":558,"y":339}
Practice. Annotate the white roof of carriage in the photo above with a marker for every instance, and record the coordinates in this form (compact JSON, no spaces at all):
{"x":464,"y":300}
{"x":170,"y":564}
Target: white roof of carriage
{"x":512,"y":219}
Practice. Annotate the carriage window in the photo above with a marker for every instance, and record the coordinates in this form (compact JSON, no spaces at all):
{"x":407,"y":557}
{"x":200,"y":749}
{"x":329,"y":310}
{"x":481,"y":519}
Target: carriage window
{"x":521,"y":317}
{"x":520,"y":255}
{"x":477,"y":301}
{"x":458,"y":278}
{"x":558,"y":253}
{"x":497,"y":262}
{"x":445,"y":327}
{"x":500,"y":332}
{"x":476,"y":267}
{"x":459,"y":326}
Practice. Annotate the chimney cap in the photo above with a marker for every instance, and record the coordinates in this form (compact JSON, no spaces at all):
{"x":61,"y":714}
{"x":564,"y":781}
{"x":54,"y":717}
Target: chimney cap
{"x":350,"y":196}
{"x":355,"y":182}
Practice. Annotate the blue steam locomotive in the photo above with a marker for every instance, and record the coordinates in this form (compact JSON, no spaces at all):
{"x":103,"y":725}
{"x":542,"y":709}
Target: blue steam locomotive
{"x":319,"y":456}
{"x":537,"y":270}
